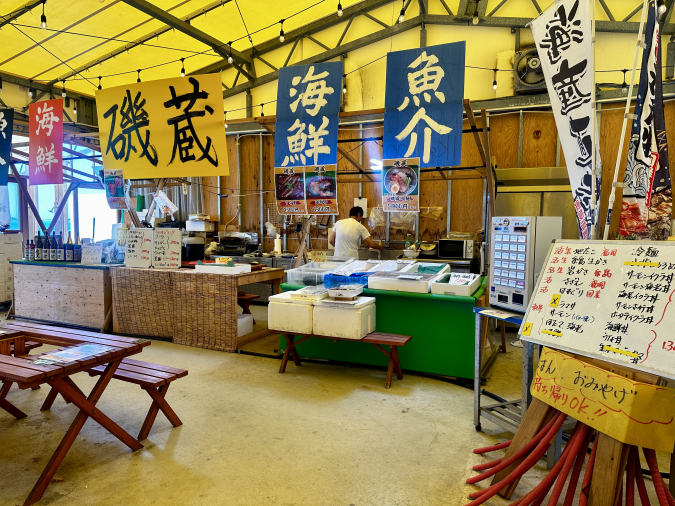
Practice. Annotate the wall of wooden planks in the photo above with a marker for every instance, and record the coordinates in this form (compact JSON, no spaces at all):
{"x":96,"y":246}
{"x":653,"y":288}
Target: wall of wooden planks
{"x":466,"y":198}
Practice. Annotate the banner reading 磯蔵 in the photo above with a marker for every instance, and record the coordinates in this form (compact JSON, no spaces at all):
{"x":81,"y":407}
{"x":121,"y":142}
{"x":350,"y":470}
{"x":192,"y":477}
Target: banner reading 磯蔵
{"x":45,"y":133}
{"x":401,"y":185}
{"x":564,"y":41}
{"x":6,"y":129}
{"x":423,"y":104}
{"x":289,"y":185}
{"x":321,"y":189}
{"x":647,"y":196}
{"x":165,"y":128}
{"x":308,"y":108}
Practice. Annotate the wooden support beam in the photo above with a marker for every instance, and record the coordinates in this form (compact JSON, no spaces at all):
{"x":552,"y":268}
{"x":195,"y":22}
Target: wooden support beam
{"x":76,"y":214}
{"x":62,"y":205}
{"x":24,"y":191}
{"x":472,"y":123}
{"x":355,"y":163}
{"x":488,"y":164}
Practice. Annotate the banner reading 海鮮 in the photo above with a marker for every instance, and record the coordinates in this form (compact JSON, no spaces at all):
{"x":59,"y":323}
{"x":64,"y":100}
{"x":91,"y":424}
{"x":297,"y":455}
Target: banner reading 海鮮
{"x":6,"y":130}
{"x":564,"y":41}
{"x":165,"y":128}
{"x":45,"y":135}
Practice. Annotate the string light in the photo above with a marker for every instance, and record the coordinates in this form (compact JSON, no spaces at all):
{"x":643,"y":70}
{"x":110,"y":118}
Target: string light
{"x":138,"y":80}
{"x":401,"y":17}
{"x":30,"y":89}
{"x":229,"y":55}
{"x":475,"y":15}
{"x":182,"y":67}
{"x":344,"y":83}
{"x":262,"y":113}
{"x":494,"y":82}
{"x":63,"y":92}
{"x":339,"y":10}
{"x":225,"y":118}
{"x":661,"y":9}
{"x":43,"y":18}
{"x":0,"y":84}
{"x":624,"y":86}
{"x":99,"y":83}
{"x":75,"y":107}
{"x":281,"y":32}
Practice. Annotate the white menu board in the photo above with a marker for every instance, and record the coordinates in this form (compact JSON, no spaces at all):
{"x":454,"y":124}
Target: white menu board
{"x":139,"y":248}
{"x":91,"y":254}
{"x":609,"y":300}
{"x":166,"y":248}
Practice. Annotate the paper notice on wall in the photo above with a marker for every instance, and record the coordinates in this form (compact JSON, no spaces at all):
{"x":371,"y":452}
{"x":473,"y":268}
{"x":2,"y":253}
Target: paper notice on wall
{"x":321,"y":189}
{"x":363,"y":204}
{"x":401,"y":185}
{"x":91,"y":254}
{"x":166,"y":249}
{"x":632,"y":412}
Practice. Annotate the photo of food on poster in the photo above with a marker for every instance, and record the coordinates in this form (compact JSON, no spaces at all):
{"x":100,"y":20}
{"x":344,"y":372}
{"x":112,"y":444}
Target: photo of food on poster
{"x":401,"y":184}
{"x":113,"y":182}
{"x":289,"y":183}
{"x":321,"y":189}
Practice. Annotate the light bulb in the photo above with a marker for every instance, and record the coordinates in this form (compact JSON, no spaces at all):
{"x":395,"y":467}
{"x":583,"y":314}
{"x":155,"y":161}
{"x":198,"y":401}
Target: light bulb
{"x":229,"y":58}
{"x":475,"y":18}
{"x":74,"y":107}
{"x":99,"y":83}
{"x":494,"y":85}
{"x":63,"y":91}
{"x":281,"y":35}
{"x":401,"y":17}
{"x":344,"y":89}
{"x":339,"y":12}
{"x":138,"y":80}
{"x":43,"y":21}
{"x":30,"y":92}
{"x":661,"y":8}
{"x":0,"y":85}
{"x":624,"y":88}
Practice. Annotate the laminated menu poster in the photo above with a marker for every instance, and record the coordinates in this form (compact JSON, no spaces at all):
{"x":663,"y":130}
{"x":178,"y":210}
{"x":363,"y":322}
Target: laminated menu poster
{"x":607,"y":300}
{"x":321,"y":189}
{"x":289,"y":183}
{"x":113,"y":182}
{"x":401,"y":184}
{"x":166,"y":248}
{"x":139,"y":248}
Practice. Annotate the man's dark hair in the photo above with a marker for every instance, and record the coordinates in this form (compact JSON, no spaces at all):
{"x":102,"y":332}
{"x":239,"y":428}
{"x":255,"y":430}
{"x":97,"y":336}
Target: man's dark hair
{"x":355,"y":211}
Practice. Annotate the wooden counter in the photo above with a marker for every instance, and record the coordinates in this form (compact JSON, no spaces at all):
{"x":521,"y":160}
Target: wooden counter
{"x":63,"y":292}
{"x":188,"y":307}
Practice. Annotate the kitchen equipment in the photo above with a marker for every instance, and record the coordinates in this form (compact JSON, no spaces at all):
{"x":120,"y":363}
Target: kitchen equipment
{"x":194,"y":249}
{"x":287,"y":314}
{"x":518,"y":250}
{"x":428,"y":250}
{"x":345,"y":292}
{"x":344,"y":319}
{"x":409,"y":253}
{"x":456,"y":249}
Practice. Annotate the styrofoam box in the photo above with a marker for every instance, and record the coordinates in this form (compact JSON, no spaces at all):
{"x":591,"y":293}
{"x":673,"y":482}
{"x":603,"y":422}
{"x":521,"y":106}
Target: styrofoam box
{"x":442,"y":287}
{"x":199,"y":226}
{"x":244,"y":324}
{"x":290,"y":315}
{"x":343,"y":320}
{"x":11,"y":238}
{"x":399,"y":281}
{"x":219,"y":269}
{"x":394,"y":265}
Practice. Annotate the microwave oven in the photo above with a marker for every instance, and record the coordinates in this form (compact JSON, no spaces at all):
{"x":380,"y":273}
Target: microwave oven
{"x":455,"y":248}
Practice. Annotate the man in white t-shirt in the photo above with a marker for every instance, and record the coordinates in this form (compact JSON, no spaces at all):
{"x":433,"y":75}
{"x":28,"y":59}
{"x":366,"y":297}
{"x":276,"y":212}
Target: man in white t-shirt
{"x":348,"y":233}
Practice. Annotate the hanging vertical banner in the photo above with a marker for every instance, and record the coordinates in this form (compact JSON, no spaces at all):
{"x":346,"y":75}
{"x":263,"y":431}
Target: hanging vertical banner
{"x":308,"y":108}
{"x":166,"y":128}
{"x":45,"y":125}
{"x":113,"y":182}
{"x":401,"y":185}
{"x":289,"y":183}
{"x":6,"y":129}
{"x":565,"y":44}
{"x":321,"y":189}
{"x":647,"y":193}
{"x":423,"y":104}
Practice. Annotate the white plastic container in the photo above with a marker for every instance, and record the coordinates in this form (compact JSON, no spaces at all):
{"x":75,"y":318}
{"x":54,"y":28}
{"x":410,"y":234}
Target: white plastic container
{"x":346,"y":320}
{"x":221,"y":269}
{"x":394,"y":265}
{"x":244,"y":324}
{"x":290,"y":315}
{"x":312,"y":273}
{"x":310,"y":293}
{"x":200,"y":226}
{"x":414,"y":269}
{"x":445,"y":285}
{"x":402,"y":281}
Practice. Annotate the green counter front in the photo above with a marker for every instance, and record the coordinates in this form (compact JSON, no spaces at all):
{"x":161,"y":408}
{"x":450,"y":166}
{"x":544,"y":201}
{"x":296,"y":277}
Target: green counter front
{"x":442,"y":329}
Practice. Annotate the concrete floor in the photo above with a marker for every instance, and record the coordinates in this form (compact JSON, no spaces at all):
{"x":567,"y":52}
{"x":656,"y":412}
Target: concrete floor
{"x":317,"y":435}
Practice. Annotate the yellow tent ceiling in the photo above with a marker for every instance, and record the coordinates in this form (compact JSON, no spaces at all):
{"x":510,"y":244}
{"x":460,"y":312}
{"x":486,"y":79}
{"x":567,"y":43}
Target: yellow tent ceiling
{"x":78,"y":33}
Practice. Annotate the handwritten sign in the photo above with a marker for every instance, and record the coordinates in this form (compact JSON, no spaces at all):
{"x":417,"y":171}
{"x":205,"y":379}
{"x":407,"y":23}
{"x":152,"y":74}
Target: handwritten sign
{"x":608,"y":300}
{"x":631,"y":412}
{"x":91,"y":254}
{"x":316,"y":256}
{"x":166,"y":249}
{"x":139,"y":248}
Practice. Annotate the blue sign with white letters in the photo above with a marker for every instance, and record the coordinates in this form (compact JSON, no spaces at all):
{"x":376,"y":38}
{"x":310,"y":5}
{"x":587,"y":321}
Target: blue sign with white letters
{"x":423,"y":105}
{"x":308,"y":108}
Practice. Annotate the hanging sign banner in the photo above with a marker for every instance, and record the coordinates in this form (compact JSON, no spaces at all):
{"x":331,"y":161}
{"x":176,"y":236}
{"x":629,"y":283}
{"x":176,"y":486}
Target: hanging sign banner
{"x":632,"y":412}
{"x":166,"y":128}
{"x":564,"y":41}
{"x":45,"y":124}
{"x":308,"y":109}
{"x":647,"y":193}
{"x":289,"y":183}
{"x":423,"y":104}
{"x":113,"y":182}
{"x":321,"y":189}
{"x":6,"y":129}
{"x":401,"y":185}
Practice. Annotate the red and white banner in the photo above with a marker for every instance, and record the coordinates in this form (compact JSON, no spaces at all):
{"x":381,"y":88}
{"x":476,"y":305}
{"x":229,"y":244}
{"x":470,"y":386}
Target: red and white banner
{"x":45,"y":163}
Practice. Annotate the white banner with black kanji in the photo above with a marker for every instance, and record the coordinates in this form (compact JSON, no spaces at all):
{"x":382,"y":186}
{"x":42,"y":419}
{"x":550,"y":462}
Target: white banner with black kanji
{"x":564,"y":41}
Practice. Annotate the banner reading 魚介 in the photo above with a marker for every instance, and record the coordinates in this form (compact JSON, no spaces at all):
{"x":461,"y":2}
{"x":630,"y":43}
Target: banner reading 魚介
{"x":564,"y":41}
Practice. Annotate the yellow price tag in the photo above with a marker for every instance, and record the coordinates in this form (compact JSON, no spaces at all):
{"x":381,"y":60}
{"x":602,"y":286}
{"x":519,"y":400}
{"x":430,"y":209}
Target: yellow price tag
{"x":527,"y":328}
{"x":316,"y":256}
{"x":555,"y":300}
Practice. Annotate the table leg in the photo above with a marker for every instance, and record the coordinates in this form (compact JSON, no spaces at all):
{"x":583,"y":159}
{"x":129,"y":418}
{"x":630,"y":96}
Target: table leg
{"x":476,"y":372}
{"x":276,"y":286}
{"x":502,"y":328}
{"x":294,"y":353}
{"x":8,"y":406}
{"x":397,"y":363}
{"x":87,"y":409}
{"x":390,"y":371}
{"x":158,"y":402}
{"x":287,"y":352}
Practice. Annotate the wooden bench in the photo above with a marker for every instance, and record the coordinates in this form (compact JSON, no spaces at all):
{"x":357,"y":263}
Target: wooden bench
{"x":154,"y":379}
{"x":377,"y":339}
{"x":244,"y":300}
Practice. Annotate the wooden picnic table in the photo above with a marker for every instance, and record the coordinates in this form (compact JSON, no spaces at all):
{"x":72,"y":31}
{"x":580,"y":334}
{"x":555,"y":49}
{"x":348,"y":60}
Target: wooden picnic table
{"x":21,"y":370}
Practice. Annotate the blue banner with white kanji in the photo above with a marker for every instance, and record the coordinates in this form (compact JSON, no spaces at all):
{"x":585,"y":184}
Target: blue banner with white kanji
{"x":308,"y":108}
{"x":423,"y":105}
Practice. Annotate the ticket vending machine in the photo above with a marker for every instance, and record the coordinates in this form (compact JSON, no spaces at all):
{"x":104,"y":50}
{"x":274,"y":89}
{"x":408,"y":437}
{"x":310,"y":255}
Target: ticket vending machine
{"x":518,"y":249}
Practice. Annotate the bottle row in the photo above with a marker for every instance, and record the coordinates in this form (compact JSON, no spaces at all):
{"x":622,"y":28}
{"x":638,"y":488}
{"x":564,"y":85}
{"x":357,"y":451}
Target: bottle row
{"x":53,"y":249}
